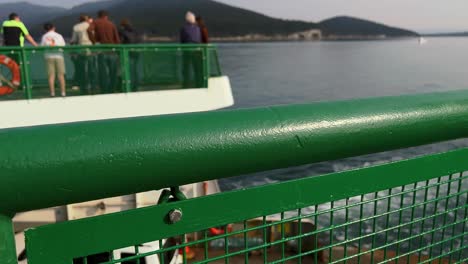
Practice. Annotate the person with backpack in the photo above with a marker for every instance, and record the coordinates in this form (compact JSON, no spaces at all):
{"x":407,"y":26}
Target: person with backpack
{"x":127,"y":33}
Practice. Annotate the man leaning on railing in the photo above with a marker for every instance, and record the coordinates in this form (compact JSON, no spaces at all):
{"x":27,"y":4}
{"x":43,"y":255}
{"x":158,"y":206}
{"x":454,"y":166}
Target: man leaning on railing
{"x":84,"y":62}
{"x":14,"y":32}
{"x":105,"y":32}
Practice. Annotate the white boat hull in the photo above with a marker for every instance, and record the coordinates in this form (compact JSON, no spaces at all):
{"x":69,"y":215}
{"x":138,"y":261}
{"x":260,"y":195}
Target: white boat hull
{"x":24,"y":113}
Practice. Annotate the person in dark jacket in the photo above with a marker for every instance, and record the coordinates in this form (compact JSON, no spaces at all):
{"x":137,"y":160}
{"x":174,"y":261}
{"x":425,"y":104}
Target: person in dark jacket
{"x":192,"y":59}
{"x":203,"y":30}
{"x":103,"y":31}
{"x":190,"y":32}
{"x":128,"y":35}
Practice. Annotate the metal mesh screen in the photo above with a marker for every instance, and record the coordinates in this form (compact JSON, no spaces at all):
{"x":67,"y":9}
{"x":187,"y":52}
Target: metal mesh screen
{"x":423,"y":222}
{"x":101,"y":70}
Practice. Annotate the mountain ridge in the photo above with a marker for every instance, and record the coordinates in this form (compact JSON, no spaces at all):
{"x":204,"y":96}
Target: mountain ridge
{"x":349,"y":26}
{"x":30,"y":13}
{"x":165,"y":17}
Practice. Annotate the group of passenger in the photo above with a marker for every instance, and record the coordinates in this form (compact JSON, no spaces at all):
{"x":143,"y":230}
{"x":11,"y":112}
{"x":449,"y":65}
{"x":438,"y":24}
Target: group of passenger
{"x":100,"y":69}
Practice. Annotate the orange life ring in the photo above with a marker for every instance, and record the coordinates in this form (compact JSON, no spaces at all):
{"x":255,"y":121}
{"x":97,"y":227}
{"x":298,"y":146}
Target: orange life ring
{"x":15,"y":73}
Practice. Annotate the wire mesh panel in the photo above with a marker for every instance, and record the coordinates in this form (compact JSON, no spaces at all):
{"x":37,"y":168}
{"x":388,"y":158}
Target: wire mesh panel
{"x":412,"y":211}
{"x":169,"y":69}
{"x":86,"y":71}
{"x":102,"y":69}
{"x":215,"y":68}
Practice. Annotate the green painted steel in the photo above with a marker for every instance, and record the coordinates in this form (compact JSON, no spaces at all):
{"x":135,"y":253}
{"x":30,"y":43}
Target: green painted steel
{"x":206,"y":66}
{"x":76,"y":162}
{"x":101,"y":69}
{"x":126,"y":79}
{"x":62,"y":242}
{"x":7,"y":240}
{"x":169,"y":46}
{"x":26,"y":73}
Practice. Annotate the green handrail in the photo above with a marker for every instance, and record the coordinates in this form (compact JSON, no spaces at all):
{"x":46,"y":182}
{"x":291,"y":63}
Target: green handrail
{"x":70,"y":163}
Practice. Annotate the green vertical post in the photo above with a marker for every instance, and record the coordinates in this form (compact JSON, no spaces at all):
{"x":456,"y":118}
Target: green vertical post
{"x":21,"y":64}
{"x":125,"y":62}
{"x":26,"y":76}
{"x":206,"y":66}
{"x":7,"y":241}
{"x":218,"y":66}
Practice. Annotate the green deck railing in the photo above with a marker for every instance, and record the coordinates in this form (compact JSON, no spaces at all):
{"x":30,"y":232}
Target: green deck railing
{"x":411,"y":211}
{"x":114,"y":68}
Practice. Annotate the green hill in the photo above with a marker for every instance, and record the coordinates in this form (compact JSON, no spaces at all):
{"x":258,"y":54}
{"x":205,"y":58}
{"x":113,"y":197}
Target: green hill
{"x":349,"y":26}
{"x":30,"y":14}
{"x":165,"y":17}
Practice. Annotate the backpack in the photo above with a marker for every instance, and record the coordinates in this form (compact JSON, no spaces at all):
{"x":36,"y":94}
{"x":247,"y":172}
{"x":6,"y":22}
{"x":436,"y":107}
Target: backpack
{"x":130,"y":36}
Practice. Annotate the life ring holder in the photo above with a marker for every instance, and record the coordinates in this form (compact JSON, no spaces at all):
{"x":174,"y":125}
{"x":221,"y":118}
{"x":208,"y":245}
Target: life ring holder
{"x":11,"y":85}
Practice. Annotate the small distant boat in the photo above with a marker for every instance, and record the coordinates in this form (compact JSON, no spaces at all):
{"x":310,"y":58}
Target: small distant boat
{"x":422,"y":41}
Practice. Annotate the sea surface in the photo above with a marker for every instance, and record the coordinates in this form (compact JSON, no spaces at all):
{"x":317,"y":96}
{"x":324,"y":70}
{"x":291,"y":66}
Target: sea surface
{"x":264,"y":74}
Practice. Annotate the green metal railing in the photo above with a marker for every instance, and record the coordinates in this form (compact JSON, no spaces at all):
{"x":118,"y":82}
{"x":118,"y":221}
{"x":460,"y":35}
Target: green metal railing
{"x":411,"y":211}
{"x":114,"y":68}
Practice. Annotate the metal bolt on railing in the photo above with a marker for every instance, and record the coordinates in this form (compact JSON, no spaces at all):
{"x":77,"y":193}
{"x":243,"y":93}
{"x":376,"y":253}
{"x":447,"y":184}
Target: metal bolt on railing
{"x":175,"y":216}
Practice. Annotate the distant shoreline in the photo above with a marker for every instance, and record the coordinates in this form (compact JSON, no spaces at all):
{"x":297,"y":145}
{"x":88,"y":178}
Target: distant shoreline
{"x":457,"y":35}
{"x":280,"y":38}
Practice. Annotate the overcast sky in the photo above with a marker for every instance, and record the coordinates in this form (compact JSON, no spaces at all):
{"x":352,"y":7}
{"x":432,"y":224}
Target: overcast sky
{"x":420,"y":15}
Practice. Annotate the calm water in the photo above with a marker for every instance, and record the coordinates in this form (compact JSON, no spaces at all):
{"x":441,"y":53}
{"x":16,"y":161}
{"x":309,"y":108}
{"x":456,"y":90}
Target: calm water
{"x":300,"y":72}
{"x":283,"y":73}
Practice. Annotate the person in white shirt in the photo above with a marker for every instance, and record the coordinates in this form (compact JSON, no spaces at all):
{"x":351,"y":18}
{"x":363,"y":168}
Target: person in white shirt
{"x":80,"y":35}
{"x":84,"y":63}
{"x":54,"y":59}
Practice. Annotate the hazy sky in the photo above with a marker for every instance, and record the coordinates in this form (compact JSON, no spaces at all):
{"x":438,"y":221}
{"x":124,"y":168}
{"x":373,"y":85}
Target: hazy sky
{"x":420,"y":15}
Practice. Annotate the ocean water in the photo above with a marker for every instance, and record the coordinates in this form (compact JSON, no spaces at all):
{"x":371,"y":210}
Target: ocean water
{"x":301,"y":72}
{"x":264,"y":74}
